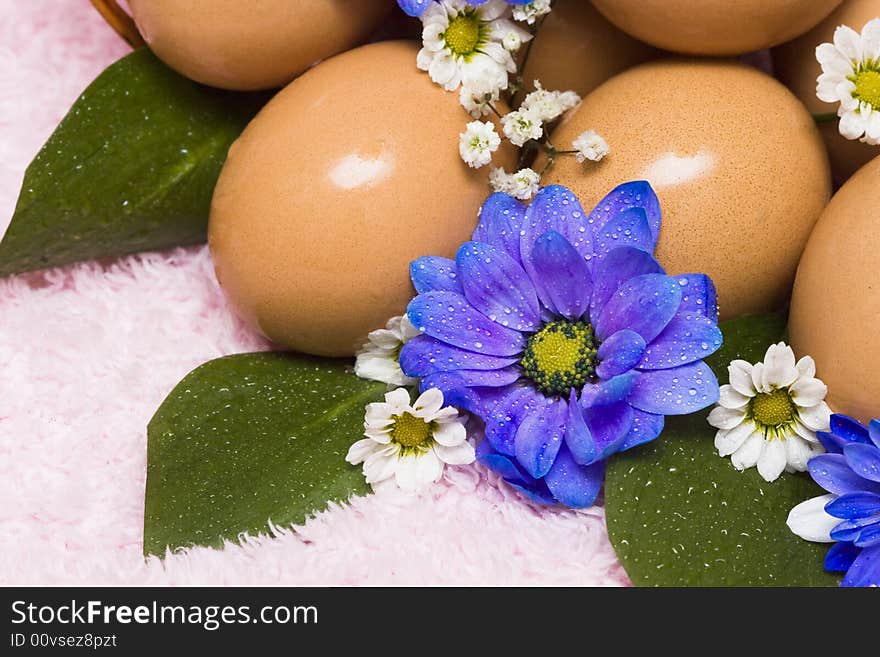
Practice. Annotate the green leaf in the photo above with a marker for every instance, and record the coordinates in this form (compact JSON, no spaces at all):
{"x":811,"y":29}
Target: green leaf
{"x":131,"y":167}
{"x":246,"y":439}
{"x":680,"y":515}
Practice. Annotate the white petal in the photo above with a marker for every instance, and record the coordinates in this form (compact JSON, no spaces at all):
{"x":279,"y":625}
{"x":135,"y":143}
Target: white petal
{"x":851,"y":125}
{"x":849,"y":42}
{"x":806,"y":366}
{"x":779,"y":367}
{"x":808,"y":391}
{"x":726,"y":418}
{"x":804,"y":432}
{"x":727,"y":442}
{"x":358,"y":452}
{"x":809,"y":520}
{"x":381,"y":464}
{"x":460,"y":454}
{"x":416,"y":471}
{"x":428,"y":404}
{"x":773,"y":460}
{"x":748,"y":455}
{"x":730,"y":398}
{"x":871,"y":39}
{"x":398,"y":401}
{"x":450,"y":434}
{"x":380,"y":436}
{"x":817,"y":417}
{"x":797,"y":453}
{"x":758,"y":378}
{"x":378,"y":414}
{"x":741,"y":377}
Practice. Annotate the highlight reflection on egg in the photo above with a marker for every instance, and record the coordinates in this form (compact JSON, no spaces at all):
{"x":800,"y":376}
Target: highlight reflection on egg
{"x":735,"y":159}
{"x":334,"y":189}
{"x":835,"y":307}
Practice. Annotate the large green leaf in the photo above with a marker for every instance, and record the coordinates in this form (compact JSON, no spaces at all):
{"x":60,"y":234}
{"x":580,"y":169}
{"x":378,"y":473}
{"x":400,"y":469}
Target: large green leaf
{"x":249,"y":439}
{"x":131,"y":167}
{"x":680,"y":515}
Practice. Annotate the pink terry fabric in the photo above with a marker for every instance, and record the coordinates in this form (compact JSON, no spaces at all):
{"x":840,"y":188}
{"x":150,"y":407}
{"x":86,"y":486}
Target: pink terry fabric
{"x":88,"y":352}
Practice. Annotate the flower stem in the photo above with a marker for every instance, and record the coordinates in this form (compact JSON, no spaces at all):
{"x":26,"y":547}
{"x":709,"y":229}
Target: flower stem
{"x":825,"y":118}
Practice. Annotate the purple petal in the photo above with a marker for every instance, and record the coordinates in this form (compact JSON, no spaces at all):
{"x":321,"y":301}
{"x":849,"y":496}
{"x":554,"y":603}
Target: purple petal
{"x":501,"y":219}
{"x":620,"y":353}
{"x":424,"y":355}
{"x":645,"y":428}
{"x":554,"y":208}
{"x":497,"y":286}
{"x":841,"y":556}
{"x":608,"y":392}
{"x":471,"y":379}
{"x":574,"y":485}
{"x":449,"y":317}
{"x":874,"y":432}
{"x":644,"y":304}
{"x":862,"y":532}
{"x":687,"y":338}
{"x":833,"y":474}
{"x":564,"y":284}
{"x":849,"y":430}
{"x":627,"y":228}
{"x":534,"y":489}
{"x":678,"y":391}
{"x":504,"y":420}
{"x":636,"y":194}
{"x":864,"y":460}
{"x":465,"y":390}
{"x":577,"y":434}
{"x":414,"y":7}
{"x":618,"y":266}
{"x":609,"y":426}
{"x":854,"y":505}
{"x":539,"y":436}
{"x":698,"y":295}
{"x":434,"y":273}
{"x":870,"y":535}
{"x":865,"y":570}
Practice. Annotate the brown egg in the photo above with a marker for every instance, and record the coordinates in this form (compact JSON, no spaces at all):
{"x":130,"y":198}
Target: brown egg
{"x":797,"y":67}
{"x":715,"y":27}
{"x":256,"y":44}
{"x":577,"y":49}
{"x":836,"y":300}
{"x":344,"y":178}
{"x":735,"y":159}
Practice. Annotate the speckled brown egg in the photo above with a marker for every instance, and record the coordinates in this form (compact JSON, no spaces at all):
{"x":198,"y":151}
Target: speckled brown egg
{"x":796,"y":66}
{"x":715,"y":27}
{"x":344,"y":178}
{"x":735,"y":159}
{"x":578,"y":49}
{"x":257,"y":44}
{"x":835,"y":307}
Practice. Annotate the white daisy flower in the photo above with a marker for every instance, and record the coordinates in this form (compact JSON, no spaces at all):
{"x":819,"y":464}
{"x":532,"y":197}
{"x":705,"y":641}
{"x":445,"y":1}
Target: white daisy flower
{"x":549,"y":105}
{"x":477,"y":143}
{"x":590,"y":146}
{"x":410,"y":444}
{"x":851,"y":76}
{"x":378,"y":358}
{"x":530,"y":12}
{"x":770,"y":412}
{"x":521,"y":185}
{"x":521,"y":126}
{"x":464,"y":44}
{"x":477,"y":99}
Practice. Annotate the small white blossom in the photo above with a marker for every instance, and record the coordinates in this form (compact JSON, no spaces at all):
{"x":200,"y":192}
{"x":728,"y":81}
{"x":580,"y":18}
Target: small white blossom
{"x":378,"y":358}
{"x":521,"y":126}
{"x":851,"y":76}
{"x":477,"y":99}
{"x":549,"y":105}
{"x":770,"y":412}
{"x":521,"y":185}
{"x":528,"y":13}
{"x":590,"y":146}
{"x":512,"y":41}
{"x":410,"y":445}
{"x":477,"y":143}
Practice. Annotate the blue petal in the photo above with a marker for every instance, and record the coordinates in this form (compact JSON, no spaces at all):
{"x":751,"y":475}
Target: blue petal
{"x":503,"y":421}
{"x":644,"y":304}
{"x":609,"y":426}
{"x":415,"y":7}
{"x":555,"y":208}
{"x":471,"y":379}
{"x":687,"y":338}
{"x":698,"y":295}
{"x":833,"y":474}
{"x":678,"y":391}
{"x":534,"y":489}
{"x":870,"y":535}
{"x":564,"y":284}
{"x":434,"y":273}
{"x":645,"y":428}
{"x":619,"y":353}
{"x":861,"y":532}
{"x":865,"y":570}
{"x":618,"y":266}
{"x":501,"y":219}
{"x":841,"y":556}
{"x":449,"y":317}
{"x":849,"y":430}
{"x":575,"y":485}
{"x":497,"y":286}
{"x":854,"y":505}
{"x":539,"y":436}
{"x":864,"y":460}
{"x":424,"y":355}
{"x":636,"y":194}
{"x":577,"y":434}
{"x":627,"y":228}
{"x":466,"y":391}
{"x":874,"y":432}
{"x":608,"y":392}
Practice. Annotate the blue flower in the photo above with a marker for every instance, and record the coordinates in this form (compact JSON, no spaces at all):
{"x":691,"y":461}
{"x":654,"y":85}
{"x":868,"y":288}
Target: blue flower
{"x":417,"y":7}
{"x":563,"y":333}
{"x":850,"y":515}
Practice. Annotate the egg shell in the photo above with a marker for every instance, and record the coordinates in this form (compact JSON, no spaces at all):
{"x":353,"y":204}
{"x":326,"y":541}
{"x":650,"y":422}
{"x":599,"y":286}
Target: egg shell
{"x":835,"y":306}
{"x":734,"y":158}
{"x":257,"y":44}
{"x":715,"y":27}
{"x":576,"y":48}
{"x":345,"y":177}
{"x":796,"y":65}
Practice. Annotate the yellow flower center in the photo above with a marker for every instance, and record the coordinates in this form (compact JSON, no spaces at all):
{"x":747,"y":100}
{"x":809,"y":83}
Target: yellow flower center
{"x":773,"y":409}
{"x":463,"y":34}
{"x":410,"y":431}
{"x":868,"y":87}
{"x":560,"y":356}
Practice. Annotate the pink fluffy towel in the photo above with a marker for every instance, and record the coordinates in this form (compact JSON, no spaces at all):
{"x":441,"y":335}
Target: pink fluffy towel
{"x":88,"y":352}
